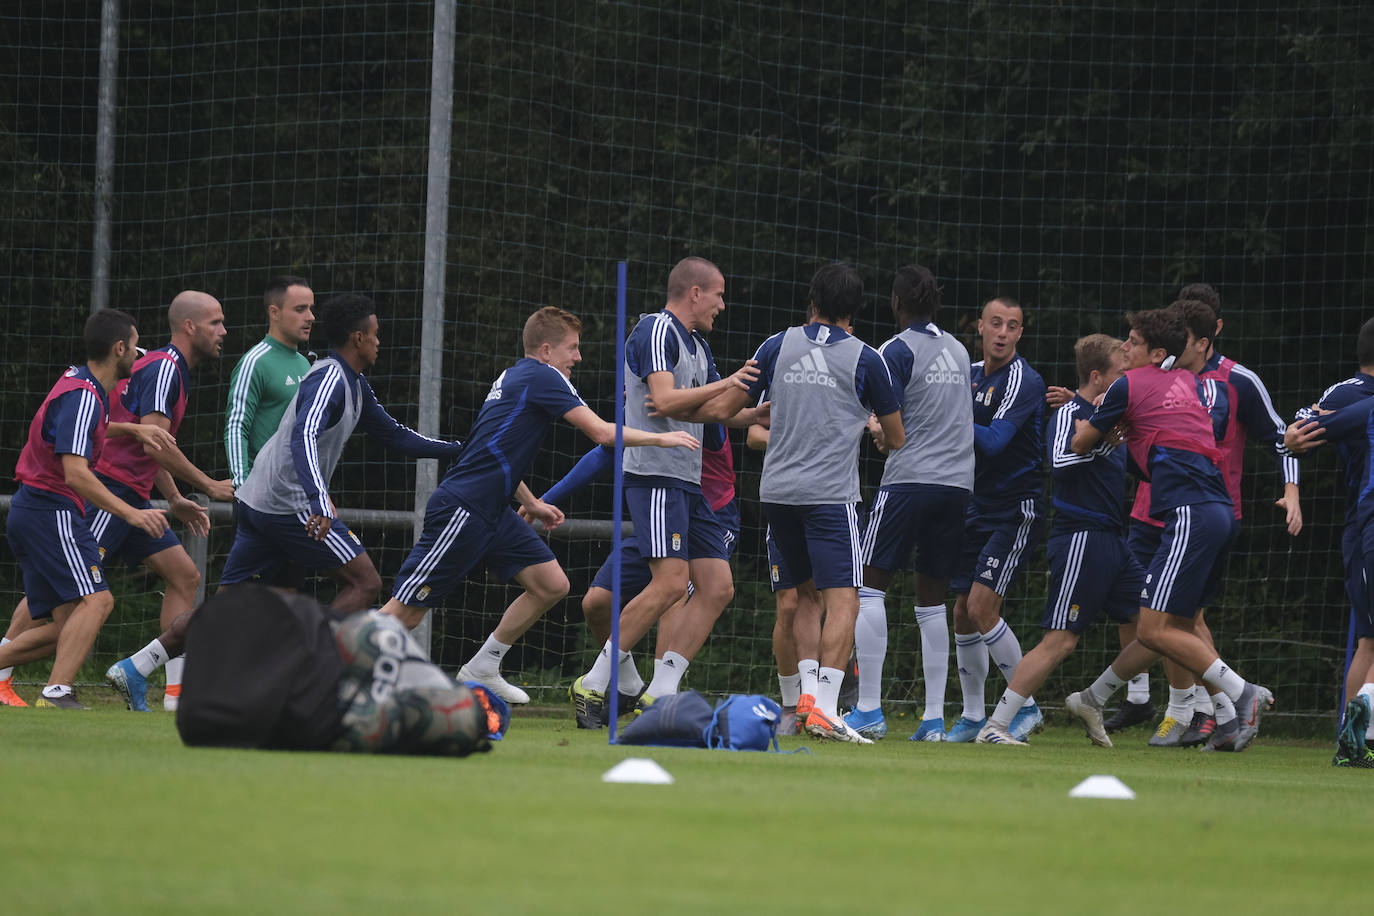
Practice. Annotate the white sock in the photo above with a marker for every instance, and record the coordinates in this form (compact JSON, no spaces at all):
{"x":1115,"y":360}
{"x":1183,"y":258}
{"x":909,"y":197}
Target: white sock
{"x":658,"y":663}
{"x":150,"y":658}
{"x":1003,"y":648}
{"x":599,"y":678}
{"x":630,"y":681}
{"x":1202,"y":700}
{"x":1180,"y":703}
{"x":810,"y":671}
{"x":488,"y":658}
{"x":934,"y":624}
{"x":1225,"y":709}
{"x":668,"y":676}
{"x":1138,"y":689}
{"x":175,"y":667}
{"x":972,"y":655}
{"x":53,"y":691}
{"x":1368,"y":691}
{"x":1101,"y":691}
{"x":5,"y":673}
{"x":1219,"y":674}
{"x":870,"y":646}
{"x":828,"y":692}
{"x":1007,"y":707}
{"x":790,"y":687}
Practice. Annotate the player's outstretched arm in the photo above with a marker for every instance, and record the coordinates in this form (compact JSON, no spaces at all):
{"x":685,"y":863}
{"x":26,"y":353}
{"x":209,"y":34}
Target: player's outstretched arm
{"x":174,"y":460}
{"x":699,"y":405}
{"x":154,"y":438}
{"x":603,"y":433}
{"x":77,"y":472}
{"x":532,"y":508}
{"x":1085,"y":437}
{"x":397,"y":437}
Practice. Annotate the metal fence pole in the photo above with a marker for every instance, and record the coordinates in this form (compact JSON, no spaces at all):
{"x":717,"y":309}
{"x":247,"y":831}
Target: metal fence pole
{"x":104,"y":153}
{"x":436,"y":239}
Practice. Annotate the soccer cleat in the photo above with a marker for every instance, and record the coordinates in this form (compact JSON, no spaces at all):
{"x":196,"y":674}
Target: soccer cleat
{"x":1253,"y":703}
{"x":129,"y":684}
{"x":65,"y":701}
{"x":1128,"y":714}
{"x":787,"y":722}
{"x":1228,"y":737}
{"x":589,"y":706}
{"x":633,"y":703}
{"x":965,"y":730}
{"x":1199,"y":730}
{"x":171,"y":697}
{"x":870,"y":724}
{"x":819,"y":725}
{"x":1169,"y":733}
{"x":992,"y":733}
{"x":930,"y":730}
{"x":1092,"y":719}
{"x":1027,"y":721}
{"x":496,"y":684}
{"x":805,"y":703}
{"x":7,"y":695}
{"x":1351,"y":742}
{"x":1365,"y":762}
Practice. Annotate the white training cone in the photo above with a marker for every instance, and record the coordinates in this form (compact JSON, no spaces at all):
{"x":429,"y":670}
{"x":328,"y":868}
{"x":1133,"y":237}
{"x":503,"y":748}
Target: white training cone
{"x":1101,"y":787}
{"x":638,"y":769}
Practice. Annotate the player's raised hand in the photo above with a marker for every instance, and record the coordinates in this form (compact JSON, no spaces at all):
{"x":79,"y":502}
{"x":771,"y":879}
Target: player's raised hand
{"x":152,"y":521}
{"x":191,"y":514}
{"x":221,"y":490}
{"x":678,"y":439}
{"x":746,"y":375}
{"x":1055,"y":396}
{"x":1302,"y":436}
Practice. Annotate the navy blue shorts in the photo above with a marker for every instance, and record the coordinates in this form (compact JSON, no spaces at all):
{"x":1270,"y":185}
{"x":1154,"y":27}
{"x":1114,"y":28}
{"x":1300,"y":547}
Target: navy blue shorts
{"x":634,"y":569}
{"x":998,"y":545}
{"x":1184,"y":575}
{"x":1091,"y":572}
{"x":453,"y":542}
{"x":57,"y":553}
{"x":1356,"y":544}
{"x":818,"y":543}
{"x":778,"y":576}
{"x":674,"y":522}
{"x":266,"y":544}
{"x":118,"y":539}
{"x":1143,"y":540}
{"x":926,"y":518}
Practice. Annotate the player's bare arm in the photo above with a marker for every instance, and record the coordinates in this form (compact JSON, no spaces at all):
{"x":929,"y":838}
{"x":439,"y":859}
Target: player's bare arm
{"x":603,"y":433}
{"x":691,"y":404}
{"x":174,"y":460}
{"x":187,"y":511}
{"x":1085,"y":437}
{"x":79,"y":476}
{"x":154,"y":438}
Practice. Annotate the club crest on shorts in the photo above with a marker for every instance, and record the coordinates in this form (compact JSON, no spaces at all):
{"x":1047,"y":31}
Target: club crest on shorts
{"x":355,"y":538}
{"x":677,"y":542}
{"x":95,"y":573}
{"x":775,"y":574}
{"x":1073,"y":613}
{"x":423,"y":593}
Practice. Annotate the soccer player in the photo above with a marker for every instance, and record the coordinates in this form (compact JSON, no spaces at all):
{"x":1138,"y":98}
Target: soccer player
{"x":820,"y":377}
{"x":1347,"y":427}
{"x":469,"y":520}
{"x":1170,"y":437}
{"x":266,"y":378}
{"x":285,"y":514}
{"x":921,"y":502}
{"x":670,"y":375}
{"x":1091,"y":569}
{"x":1005,"y":518}
{"x":156,"y":393}
{"x":47,"y":524}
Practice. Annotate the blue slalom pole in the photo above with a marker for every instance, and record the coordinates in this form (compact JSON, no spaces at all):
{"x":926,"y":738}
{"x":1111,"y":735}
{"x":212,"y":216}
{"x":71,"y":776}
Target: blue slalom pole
{"x":617,"y":491}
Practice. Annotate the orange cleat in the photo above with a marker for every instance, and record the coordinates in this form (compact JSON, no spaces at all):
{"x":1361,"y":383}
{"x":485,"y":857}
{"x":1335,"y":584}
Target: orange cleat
{"x":7,"y":695}
{"x":805,"y":703}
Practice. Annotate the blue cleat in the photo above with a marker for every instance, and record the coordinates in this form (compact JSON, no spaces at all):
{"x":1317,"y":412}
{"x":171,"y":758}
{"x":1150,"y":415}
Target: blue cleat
{"x":1351,"y":743}
{"x":965,"y":730}
{"x":870,"y":724}
{"x":930,"y":730}
{"x":1028,"y":719}
{"x":131,"y":685}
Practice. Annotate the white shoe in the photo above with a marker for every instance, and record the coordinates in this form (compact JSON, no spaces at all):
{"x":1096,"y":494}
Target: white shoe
{"x":992,"y":733}
{"x":497,"y":685}
{"x":1092,"y":719}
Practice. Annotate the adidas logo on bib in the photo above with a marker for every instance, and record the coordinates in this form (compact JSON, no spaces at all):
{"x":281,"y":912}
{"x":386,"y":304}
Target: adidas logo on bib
{"x":810,"y":370}
{"x":944,"y":371}
{"x":1182,"y":394}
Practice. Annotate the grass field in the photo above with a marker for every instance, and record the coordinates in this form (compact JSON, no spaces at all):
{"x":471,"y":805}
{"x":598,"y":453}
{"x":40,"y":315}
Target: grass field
{"x":109,"y":813}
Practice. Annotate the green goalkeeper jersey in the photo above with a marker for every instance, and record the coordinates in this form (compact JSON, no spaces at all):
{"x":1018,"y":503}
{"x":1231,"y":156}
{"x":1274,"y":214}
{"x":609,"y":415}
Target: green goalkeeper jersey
{"x":263,"y":384}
